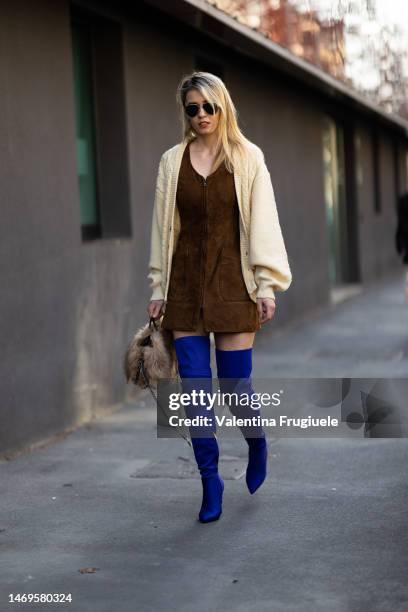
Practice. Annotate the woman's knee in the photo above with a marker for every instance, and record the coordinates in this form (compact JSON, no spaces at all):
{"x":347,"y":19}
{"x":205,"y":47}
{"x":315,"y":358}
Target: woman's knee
{"x":234,"y":341}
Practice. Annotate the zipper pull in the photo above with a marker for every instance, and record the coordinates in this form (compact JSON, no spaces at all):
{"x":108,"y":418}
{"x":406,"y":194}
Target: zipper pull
{"x":205,"y":182}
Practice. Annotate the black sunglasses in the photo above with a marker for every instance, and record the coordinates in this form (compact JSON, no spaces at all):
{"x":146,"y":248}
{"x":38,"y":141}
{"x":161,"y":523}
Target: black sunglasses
{"x":193,"y":108}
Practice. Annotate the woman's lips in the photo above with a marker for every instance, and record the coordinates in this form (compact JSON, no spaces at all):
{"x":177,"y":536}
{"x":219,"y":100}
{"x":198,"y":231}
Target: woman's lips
{"x":203,"y":124}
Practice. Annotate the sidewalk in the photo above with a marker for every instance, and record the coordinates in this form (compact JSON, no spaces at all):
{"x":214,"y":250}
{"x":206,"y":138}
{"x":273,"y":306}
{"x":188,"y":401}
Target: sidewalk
{"x":327,"y":532}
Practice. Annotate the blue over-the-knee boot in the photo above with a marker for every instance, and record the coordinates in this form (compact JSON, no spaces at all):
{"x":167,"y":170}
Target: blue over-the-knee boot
{"x":234,"y":371}
{"x":194,"y":363}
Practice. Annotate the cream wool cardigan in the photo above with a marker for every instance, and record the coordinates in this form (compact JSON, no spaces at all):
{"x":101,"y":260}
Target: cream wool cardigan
{"x":264,"y":260}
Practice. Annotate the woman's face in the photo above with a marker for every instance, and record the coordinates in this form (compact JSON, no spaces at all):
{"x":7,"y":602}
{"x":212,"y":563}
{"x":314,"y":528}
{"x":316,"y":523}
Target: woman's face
{"x":203,"y":123}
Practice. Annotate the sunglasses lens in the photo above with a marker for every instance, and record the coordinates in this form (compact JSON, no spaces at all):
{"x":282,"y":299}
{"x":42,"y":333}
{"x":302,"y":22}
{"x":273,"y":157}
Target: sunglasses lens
{"x":209,"y":108}
{"x":192,"y":110}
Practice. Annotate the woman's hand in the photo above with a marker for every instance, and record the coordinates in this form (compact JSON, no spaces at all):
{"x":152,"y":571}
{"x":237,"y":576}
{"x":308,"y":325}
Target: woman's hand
{"x":155,"y":309}
{"x":266,"y":309}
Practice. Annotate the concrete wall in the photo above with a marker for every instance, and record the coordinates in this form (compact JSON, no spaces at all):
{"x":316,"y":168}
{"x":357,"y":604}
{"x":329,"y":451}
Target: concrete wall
{"x":69,"y":308}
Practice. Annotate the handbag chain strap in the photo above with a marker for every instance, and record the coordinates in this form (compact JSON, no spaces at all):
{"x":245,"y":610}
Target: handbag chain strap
{"x":141,"y":371}
{"x":147,"y":383}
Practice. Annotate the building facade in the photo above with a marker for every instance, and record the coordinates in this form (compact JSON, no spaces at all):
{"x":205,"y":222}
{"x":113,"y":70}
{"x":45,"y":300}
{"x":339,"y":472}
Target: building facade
{"x":88,"y":106}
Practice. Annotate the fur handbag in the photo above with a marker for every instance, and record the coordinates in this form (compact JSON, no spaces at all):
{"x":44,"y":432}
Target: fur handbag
{"x":150,"y":355}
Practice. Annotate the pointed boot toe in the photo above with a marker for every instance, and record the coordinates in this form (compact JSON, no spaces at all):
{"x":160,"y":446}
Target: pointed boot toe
{"x":211,"y":507}
{"x":257,"y":463}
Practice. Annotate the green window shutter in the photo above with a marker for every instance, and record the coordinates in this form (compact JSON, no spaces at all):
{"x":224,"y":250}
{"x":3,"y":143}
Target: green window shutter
{"x":85,"y":124}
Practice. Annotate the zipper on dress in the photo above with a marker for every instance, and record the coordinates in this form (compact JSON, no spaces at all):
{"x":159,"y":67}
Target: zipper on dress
{"x":205,"y":242}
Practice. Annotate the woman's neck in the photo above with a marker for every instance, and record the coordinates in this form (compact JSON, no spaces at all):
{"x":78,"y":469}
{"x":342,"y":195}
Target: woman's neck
{"x":206,"y":143}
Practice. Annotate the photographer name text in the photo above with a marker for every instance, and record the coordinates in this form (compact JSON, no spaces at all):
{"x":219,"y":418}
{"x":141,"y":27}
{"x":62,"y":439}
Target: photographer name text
{"x":256,"y":420}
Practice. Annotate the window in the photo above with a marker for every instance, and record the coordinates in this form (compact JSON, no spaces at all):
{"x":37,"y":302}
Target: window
{"x":375,"y":145}
{"x":100,"y":126}
{"x":334,"y":182}
{"x":406,"y":170}
{"x":85,"y":129}
{"x":359,"y":159}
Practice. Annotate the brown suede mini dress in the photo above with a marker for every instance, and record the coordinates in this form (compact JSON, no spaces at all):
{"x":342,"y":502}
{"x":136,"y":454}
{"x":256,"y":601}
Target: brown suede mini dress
{"x":207,"y":289}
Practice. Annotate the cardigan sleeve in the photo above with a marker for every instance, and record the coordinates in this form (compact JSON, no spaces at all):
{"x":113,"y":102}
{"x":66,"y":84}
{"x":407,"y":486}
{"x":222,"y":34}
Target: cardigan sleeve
{"x":267,"y":252}
{"x":155,"y":260}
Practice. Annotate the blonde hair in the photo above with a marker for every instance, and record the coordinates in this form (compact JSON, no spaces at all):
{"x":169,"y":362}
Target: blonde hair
{"x":213,"y":89}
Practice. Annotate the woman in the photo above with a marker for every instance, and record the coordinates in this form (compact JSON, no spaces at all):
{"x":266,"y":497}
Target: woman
{"x":217,"y":257}
{"x":401,"y":235}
